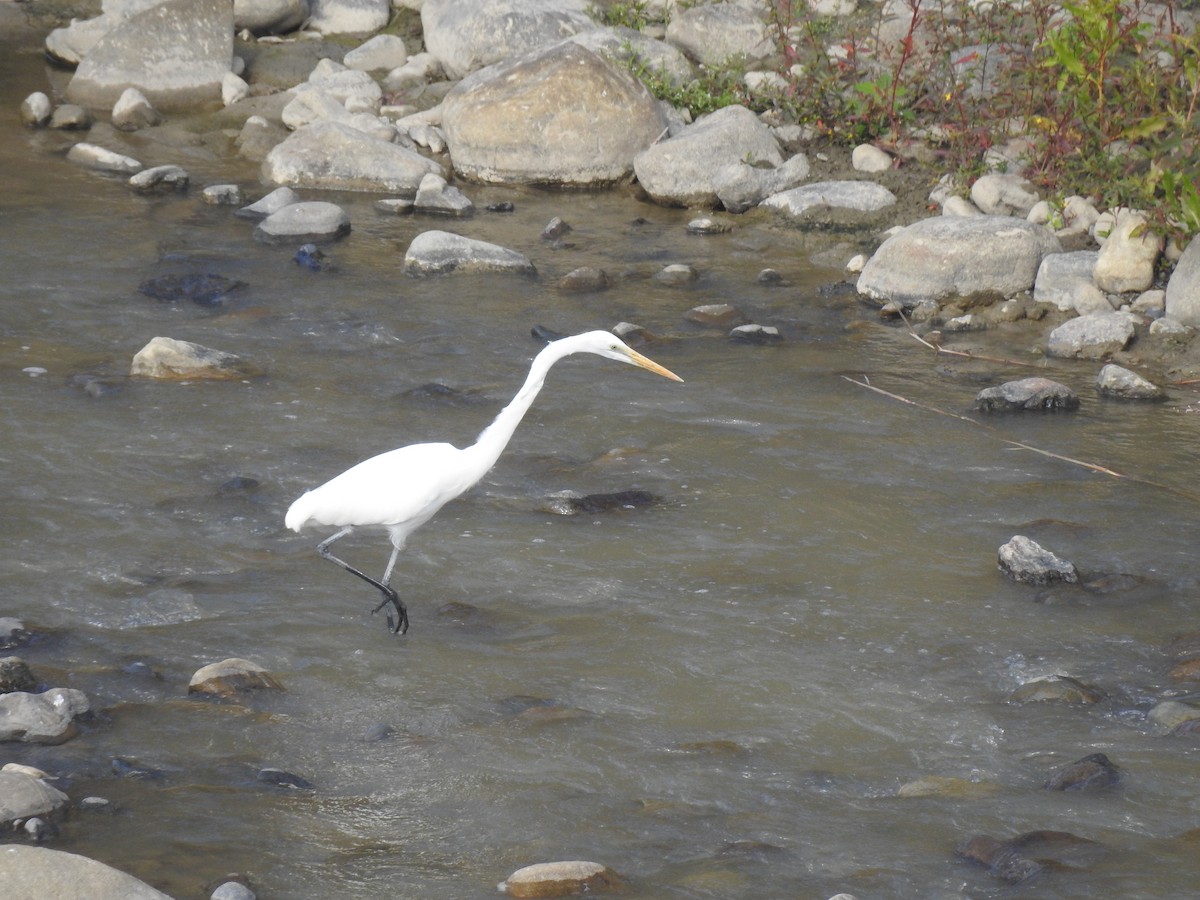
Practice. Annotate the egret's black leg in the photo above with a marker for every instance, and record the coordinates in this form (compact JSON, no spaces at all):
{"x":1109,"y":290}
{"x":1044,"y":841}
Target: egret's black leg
{"x":389,"y":595}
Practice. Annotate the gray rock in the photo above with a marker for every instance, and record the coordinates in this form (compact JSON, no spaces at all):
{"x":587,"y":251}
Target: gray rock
{"x":465,"y":35}
{"x":825,"y":199}
{"x":740,"y":186}
{"x":438,"y":252}
{"x":271,"y":203}
{"x":176,"y":53}
{"x":46,"y":718}
{"x":1116,"y":381}
{"x":160,"y":179}
{"x":347,"y":86}
{"x":559,"y":879}
{"x":1173,"y":713}
{"x":713,"y":34}
{"x":1091,"y":772}
{"x":222,"y":195}
{"x":949,"y":256}
{"x":15,"y":675}
{"x":270,"y":16}
{"x":13,"y":633}
{"x":1127,"y":257}
{"x":1093,"y":336}
{"x":312,"y":220}
{"x":234,"y":89}
{"x":96,"y":157}
{"x":335,"y":156}
{"x":36,"y":110}
{"x":1027,"y":393}
{"x":41,"y":872}
{"x":629,"y":47}
{"x":133,"y":111}
{"x":559,"y":115}
{"x":259,"y":137}
{"x":755,"y":334}
{"x":585,"y":279}
{"x":71,"y":117}
{"x":232,"y":890}
{"x":22,"y":796}
{"x":437,"y":197}
{"x":869,"y":158}
{"x":677,"y":274}
{"x":168,"y":359}
{"x":232,"y":676}
{"x":1183,"y":288}
{"x":382,"y":52}
{"x":683,"y":169}
{"x":1061,"y":273}
{"x":1026,"y":561}
{"x":999,"y":194}
{"x":349,"y":16}
{"x":1056,"y":689}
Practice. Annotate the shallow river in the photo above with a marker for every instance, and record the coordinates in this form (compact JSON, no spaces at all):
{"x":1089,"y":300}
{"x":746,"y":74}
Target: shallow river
{"x":718,"y":695}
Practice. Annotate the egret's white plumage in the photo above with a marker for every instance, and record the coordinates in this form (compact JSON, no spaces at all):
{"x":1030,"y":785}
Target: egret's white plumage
{"x":402,"y":489}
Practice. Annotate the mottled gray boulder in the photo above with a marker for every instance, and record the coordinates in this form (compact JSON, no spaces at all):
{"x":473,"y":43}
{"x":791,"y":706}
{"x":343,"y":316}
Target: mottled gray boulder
{"x":311,"y":220}
{"x":1063,"y":278}
{"x":270,"y":16}
{"x":1117,"y":381}
{"x":349,"y":16}
{"x":168,"y":359}
{"x":683,"y":169}
{"x":714,"y":34}
{"x":38,"y":872}
{"x":1027,"y":393}
{"x":176,"y":53}
{"x":1183,"y":289}
{"x":826,"y":200}
{"x":465,"y":35}
{"x":335,"y":156}
{"x":741,"y":186}
{"x":1003,"y":194}
{"x":1093,"y":336}
{"x":45,"y":718}
{"x":22,"y":796}
{"x":627,"y":46}
{"x":558,"y":115}
{"x":1127,"y":257}
{"x":93,"y":156}
{"x":952,"y":256}
{"x":437,"y":252}
{"x":1026,"y":561}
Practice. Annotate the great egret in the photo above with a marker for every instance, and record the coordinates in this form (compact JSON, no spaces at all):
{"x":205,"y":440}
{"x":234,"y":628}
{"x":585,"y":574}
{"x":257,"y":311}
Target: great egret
{"x":402,"y":489}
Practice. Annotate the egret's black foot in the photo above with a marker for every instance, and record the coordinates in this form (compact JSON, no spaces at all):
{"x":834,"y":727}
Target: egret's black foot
{"x":394,"y":627}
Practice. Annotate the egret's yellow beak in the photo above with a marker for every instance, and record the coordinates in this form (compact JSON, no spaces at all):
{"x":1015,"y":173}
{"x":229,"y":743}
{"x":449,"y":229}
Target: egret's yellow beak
{"x":638,"y":360}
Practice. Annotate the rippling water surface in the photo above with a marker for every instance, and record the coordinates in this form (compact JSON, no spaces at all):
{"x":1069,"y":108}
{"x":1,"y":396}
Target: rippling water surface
{"x":718,"y":695}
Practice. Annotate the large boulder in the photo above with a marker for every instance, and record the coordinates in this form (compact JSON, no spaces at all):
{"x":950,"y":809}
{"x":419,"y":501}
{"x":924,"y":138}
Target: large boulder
{"x":22,"y":796}
{"x":438,"y":252}
{"x":71,"y":43}
{"x":714,"y":33}
{"x":560,"y":115}
{"x":687,"y":169}
{"x":465,"y":35}
{"x":46,"y":718}
{"x":41,"y":872}
{"x":176,"y":53}
{"x":1183,"y":290}
{"x":954,"y":256}
{"x":334,"y":156}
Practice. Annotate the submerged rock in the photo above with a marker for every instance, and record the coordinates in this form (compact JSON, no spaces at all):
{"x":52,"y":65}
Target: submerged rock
{"x":570,"y":503}
{"x":1027,"y":393}
{"x":1056,"y":688}
{"x":202,"y":288}
{"x":558,"y":879}
{"x":232,"y":676}
{"x":1089,"y":773}
{"x":169,"y":359}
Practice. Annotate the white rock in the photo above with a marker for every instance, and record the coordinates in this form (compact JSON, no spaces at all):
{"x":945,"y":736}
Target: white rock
{"x":349,"y":16}
{"x":1127,"y":258}
{"x":95,"y":157}
{"x":869,"y":158}
{"x":36,"y":109}
{"x":382,"y":52}
{"x":233,"y":89}
{"x":133,"y":111}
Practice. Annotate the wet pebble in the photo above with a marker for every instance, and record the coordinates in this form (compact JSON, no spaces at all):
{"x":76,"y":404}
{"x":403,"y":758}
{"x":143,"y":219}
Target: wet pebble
{"x":1091,"y":772}
{"x":160,"y":179}
{"x":311,"y":257}
{"x":377,"y":731}
{"x":706,"y":225}
{"x":944,"y":786}
{"x":201,"y":288}
{"x":173,"y":360}
{"x":222,"y":195}
{"x":39,"y":830}
{"x":128,"y":768}
{"x":232,"y":676}
{"x":1171,"y":714}
{"x":559,"y":879}
{"x":1188,"y":670}
{"x":555,"y":229}
{"x":70,"y":117}
{"x":770,"y":277}
{"x":95,"y":805}
{"x":570,"y":503}
{"x":15,"y":675}
{"x":13,"y":633}
{"x":504,"y":206}
{"x":677,"y":274}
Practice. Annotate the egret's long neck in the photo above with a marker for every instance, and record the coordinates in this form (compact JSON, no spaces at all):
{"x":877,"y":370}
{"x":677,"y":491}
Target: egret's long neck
{"x":493,"y":439}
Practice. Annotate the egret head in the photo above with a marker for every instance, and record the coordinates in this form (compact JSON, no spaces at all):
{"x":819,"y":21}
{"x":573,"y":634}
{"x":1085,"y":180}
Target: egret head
{"x":604,"y":343}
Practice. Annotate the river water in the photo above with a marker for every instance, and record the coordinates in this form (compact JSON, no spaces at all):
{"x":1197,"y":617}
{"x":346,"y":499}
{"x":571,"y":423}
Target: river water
{"x":718,"y":695}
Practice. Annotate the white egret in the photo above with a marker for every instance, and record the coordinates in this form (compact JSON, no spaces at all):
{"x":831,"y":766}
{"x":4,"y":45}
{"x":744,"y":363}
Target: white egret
{"x":402,"y":489}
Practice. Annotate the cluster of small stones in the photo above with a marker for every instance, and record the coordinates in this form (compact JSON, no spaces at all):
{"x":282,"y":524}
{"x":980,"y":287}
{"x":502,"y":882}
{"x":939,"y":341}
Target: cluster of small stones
{"x":32,"y":807}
